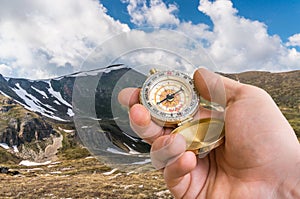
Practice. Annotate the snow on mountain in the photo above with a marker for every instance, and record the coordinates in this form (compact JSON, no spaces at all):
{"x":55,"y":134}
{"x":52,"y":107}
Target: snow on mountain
{"x":52,"y":97}
{"x":41,"y":92}
{"x":97,"y":71}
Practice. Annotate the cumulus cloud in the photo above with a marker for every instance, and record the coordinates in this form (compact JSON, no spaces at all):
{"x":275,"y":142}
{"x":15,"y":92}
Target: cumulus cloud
{"x":234,"y":44}
{"x":239,"y":43}
{"x":4,"y":69}
{"x":294,"y":40}
{"x":156,"y":14}
{"x":39,"y":39}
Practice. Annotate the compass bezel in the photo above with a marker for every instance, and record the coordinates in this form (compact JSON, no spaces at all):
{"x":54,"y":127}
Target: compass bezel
{"x":167,"y":118}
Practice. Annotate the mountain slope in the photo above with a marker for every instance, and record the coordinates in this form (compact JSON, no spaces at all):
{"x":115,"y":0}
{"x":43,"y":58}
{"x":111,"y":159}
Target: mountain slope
{"x":41,"y":96}
{"x":95,"y":94}
{"x":283,"y":87}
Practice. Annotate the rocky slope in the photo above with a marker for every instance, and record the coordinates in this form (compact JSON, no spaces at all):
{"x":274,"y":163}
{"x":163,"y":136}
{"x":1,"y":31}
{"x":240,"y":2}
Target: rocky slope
{"x":25,"y":133}
{"x":48,"y":103}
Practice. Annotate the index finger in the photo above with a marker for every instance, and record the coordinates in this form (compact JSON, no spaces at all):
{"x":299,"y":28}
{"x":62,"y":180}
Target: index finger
{"x":140,"y":119}
{"x":129,"y":96}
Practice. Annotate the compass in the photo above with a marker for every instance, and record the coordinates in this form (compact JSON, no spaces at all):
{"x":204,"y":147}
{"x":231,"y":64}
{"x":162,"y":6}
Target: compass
{"x":172,"y":100}
{"x":170,"y":96}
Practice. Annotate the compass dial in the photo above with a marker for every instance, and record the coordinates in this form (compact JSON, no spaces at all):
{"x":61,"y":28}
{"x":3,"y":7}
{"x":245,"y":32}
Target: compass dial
{"x":170,"y":97}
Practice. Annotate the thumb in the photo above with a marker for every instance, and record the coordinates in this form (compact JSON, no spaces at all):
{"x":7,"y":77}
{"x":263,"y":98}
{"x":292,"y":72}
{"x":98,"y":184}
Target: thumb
{"x":165,"y":150}
{"x":214,"y":87}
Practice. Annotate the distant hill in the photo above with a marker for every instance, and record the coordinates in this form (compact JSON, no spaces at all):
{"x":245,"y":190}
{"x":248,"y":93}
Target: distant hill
{"x":284,"y":87}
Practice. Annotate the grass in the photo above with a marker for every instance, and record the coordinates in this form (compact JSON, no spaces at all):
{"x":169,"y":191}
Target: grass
{"x":81,"y":178}
{"x":8,"y":158}
{"x":293,"y":116}
{"x":70,"y":148}
{"x":16,"y":111}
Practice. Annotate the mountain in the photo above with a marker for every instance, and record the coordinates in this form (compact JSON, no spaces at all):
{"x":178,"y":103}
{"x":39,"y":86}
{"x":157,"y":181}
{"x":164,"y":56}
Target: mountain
{"x":87,"y":103}
{"x":86,"y":100}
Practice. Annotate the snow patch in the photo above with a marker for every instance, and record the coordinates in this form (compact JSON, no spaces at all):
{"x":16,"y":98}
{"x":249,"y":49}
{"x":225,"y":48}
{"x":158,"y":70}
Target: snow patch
{"x":30,"y":163}
{"x":142,"y":162}
{"x":96,"y":72}
{"x":131,"y":137}
{"x":110,"y":172}
{"x":70,"y":112}
{"x":115,"y":151}
{"x":55,"y":172}
{"x":89,"y":157}
{"x":40,"y":92}
{"x":31,"y":103}
{"x":66,"y":130}
{"x":57,"y":102}
{"x":115,"y":176}
{"x":130,"y":172}
{"x":4,"y":145}
{"x":15,"y":148}
{"x":58,"y":96}
{"x":132,"y":151}
{"x":128,"y":186}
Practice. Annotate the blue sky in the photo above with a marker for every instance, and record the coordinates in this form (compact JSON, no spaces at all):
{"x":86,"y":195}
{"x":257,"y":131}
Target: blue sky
{"x":280,"y":16}
{"x":41,"y":39}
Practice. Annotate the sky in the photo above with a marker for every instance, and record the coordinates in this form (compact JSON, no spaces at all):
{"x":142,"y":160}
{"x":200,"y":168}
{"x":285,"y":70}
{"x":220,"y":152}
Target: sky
{"x":50,"y":38}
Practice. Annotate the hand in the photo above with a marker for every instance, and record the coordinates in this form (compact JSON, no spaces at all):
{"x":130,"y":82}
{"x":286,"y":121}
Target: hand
{"x":259,"y":159}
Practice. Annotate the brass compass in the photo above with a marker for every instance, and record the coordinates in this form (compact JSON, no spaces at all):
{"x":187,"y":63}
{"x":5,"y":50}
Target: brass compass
{"x":173,"y":100}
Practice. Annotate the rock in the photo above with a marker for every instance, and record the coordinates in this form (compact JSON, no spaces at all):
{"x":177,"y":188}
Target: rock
{"x":4,"y":170}
{"x":9,"y":136}
{"x":14,"y":123}
{"x":25,"y":130}
{"x":5,"y":109}
{"x":13,"y":173}
{"x":34,"y":129}
{"x":8,"y":101}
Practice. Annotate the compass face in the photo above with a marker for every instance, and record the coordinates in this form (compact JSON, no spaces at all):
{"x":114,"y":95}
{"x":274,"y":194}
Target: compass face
{"x":170,"y":97}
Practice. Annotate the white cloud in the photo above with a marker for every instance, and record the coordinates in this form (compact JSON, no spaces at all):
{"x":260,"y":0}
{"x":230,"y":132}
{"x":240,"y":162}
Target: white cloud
{"x":242,"y":44}
{"x":39,"y":39}
{"x":45,"y":38}
{"x":156,"y":14}
{"x":4,"y":69}
{"x":234,"y":44}
{"x":294,"y":40}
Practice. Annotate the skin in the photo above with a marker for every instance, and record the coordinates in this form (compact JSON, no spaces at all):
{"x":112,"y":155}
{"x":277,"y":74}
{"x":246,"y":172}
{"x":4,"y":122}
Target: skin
{"x":260,"y":157}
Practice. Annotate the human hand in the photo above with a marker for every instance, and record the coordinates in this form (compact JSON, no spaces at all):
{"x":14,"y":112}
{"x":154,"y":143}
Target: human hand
{"x":259,"y":159}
